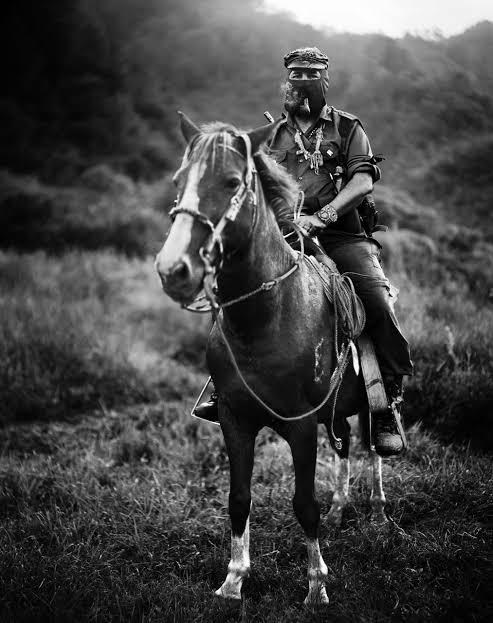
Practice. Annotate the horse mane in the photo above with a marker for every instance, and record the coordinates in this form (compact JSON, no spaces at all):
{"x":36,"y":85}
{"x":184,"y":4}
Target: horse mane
{"x":280,"y":189}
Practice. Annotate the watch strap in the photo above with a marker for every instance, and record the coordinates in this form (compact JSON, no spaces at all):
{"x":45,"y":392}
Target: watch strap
{"x":327,"y":214}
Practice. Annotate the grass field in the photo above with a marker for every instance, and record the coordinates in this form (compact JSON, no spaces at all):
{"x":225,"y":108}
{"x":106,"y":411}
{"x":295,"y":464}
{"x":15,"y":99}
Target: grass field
{"x":113,"y":501}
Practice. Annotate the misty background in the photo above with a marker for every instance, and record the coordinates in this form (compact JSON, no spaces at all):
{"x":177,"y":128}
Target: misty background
{"x":88,"y":83}
{"x":98,"y":369}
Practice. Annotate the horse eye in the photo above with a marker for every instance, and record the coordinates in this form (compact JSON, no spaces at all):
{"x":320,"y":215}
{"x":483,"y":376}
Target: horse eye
{"x":233,"y":183}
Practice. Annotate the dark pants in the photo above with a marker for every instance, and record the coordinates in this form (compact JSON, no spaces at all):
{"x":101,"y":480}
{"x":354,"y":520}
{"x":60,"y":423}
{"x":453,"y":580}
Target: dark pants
{"x":360,"y":258}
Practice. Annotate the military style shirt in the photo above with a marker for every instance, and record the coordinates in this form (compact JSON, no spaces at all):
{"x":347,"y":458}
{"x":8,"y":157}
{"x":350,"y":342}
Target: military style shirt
{"x":345,"y":149}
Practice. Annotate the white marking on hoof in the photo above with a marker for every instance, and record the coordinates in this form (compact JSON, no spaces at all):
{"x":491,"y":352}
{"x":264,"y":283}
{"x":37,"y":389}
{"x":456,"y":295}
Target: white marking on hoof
{"x":377,"y":498}
{"x":314,"y":599}
{"x":334,"y":516}
{"x":239,"y":566}
{"x":228,"y":592}
{"x":378,"y":516}
{"x":317,"y":574}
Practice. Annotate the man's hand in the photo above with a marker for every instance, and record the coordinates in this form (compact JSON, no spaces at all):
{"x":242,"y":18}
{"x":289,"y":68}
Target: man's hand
{"x":309,"y":224}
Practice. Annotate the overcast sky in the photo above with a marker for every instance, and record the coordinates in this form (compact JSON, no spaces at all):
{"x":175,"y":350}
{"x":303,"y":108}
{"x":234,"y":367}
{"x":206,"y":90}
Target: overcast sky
{"x":391,"y":17}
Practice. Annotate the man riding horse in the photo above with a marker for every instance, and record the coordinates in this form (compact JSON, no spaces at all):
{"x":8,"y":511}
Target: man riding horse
{"x":329,"y":154}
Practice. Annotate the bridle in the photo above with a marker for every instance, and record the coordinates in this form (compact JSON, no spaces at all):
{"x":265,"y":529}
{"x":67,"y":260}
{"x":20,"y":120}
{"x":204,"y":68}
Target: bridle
{"x":247,"y":190}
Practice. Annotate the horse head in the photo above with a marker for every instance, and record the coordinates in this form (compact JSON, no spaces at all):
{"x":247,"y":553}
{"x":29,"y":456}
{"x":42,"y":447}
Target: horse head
{"x":215,"y":208}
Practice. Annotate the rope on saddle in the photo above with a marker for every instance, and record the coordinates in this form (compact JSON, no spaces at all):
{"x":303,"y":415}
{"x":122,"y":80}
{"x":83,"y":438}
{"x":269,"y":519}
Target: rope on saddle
{"x":349,"y":314}
{"x":339,"y":291}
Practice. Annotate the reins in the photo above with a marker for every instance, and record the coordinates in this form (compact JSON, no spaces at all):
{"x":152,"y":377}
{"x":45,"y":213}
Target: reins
{"x":334,"y":384}
{"x":213,"y":305}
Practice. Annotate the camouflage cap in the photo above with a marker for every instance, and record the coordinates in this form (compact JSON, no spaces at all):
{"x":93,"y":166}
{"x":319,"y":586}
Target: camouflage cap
{"x":310,"y":58}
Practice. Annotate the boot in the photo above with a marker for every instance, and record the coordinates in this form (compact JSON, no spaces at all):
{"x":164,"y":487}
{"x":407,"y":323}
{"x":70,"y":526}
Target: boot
{"x":208,"y":410}
{"x":386,"y":436}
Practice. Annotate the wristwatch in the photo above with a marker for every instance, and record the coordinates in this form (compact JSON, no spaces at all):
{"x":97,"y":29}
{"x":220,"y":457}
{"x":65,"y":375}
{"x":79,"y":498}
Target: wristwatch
{"x":328,"y":214}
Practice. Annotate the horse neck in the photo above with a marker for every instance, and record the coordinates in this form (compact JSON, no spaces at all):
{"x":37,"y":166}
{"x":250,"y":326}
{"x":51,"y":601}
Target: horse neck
{"x":266,"y":258}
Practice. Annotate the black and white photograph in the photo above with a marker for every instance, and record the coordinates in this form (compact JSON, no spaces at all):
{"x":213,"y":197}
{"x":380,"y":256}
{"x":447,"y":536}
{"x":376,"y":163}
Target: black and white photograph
{"x":246,"y":311}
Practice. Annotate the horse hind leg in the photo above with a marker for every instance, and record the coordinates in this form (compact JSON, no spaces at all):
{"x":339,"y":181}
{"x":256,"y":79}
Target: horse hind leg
{"x":342,"y":470}
{"x":377,"y":497}
{"x":240,"y":445}
{"x":341,"y":491}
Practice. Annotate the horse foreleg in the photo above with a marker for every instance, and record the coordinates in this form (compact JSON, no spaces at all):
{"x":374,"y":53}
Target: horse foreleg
{"x":240,"y":446}
{"x":377,"y":498}
{"x":302,"y":439}
{"x":341,"y":491}
{"x":238,"y":567}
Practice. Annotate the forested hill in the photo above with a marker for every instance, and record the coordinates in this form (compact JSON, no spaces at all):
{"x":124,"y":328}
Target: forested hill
{"x":86,"y":81}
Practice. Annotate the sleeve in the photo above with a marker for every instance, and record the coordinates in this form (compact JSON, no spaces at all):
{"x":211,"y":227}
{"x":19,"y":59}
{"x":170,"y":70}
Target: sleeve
{"x":359,"y":155}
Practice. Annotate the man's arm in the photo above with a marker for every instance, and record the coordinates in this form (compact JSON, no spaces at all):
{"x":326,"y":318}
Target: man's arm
{"x":348,"y":198}
{"x":360,"y":185}
{"x":361,"y":172}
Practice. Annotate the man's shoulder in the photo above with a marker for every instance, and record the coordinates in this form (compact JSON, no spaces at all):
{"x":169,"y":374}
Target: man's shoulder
{"x":344,"y":114}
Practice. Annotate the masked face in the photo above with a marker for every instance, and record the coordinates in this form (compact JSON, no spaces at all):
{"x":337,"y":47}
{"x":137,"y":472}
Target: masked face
{"x":304,"y":92}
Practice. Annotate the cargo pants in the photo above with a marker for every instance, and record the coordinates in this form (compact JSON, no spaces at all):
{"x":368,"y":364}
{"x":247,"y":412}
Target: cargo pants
{"x":359,"y":257}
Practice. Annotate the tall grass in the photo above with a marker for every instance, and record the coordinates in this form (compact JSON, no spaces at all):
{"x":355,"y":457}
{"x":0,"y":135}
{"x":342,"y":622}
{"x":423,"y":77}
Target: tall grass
{"x":94,"y":328}
{"x":101,"y":209}
{"x":448,"y":330}
{"x":123,"y":517}
{"x":84,"y":331}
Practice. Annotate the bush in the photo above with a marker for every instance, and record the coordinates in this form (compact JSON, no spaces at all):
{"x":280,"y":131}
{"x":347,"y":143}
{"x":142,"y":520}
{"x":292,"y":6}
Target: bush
{"x":107,"y":211}
{"x":449,"y":334}
{"x":56,"y":352}
{"x":103,"y":179}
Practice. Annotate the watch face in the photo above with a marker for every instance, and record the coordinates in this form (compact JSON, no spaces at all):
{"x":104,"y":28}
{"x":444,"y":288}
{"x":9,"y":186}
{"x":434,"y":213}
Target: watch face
{"x":328,"y":214}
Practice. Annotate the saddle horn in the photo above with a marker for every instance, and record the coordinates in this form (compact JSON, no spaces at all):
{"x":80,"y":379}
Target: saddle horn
{"x":262,"y":134}
{"x":188,"y":127}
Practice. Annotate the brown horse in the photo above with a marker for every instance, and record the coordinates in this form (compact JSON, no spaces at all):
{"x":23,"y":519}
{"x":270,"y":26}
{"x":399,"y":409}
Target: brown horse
{"x":271,"y":353}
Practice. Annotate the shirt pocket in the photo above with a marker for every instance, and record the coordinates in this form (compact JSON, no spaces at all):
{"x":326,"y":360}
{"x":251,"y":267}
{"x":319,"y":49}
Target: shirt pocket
{"x":331,"y":153}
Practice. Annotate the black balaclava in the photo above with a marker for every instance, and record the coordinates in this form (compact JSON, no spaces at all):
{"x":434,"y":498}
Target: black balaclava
{"x":306,"y":97}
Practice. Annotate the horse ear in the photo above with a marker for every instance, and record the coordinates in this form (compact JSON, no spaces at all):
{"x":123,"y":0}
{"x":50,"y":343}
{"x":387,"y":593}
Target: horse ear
{"x":188,"y":127}
{"x":262,"y":134}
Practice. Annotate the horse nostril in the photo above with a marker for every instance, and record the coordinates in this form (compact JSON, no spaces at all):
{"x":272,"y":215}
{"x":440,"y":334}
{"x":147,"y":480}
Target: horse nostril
{"x":181,"y":271}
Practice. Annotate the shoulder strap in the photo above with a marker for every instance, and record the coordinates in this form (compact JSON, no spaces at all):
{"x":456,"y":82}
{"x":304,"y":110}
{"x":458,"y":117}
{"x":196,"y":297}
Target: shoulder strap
{"x":274,"y":135}
{"x":346,"y":124}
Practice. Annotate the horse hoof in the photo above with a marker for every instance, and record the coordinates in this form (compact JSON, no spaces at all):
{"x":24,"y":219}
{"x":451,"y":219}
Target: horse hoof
{"x":379,"y":520}
{"x":316,"y":598}
{"x":228,"y":596}
{"x":334,"y":517}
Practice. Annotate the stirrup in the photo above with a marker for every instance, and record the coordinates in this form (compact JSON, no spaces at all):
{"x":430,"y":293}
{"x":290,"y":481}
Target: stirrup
{"x":196,"y":406}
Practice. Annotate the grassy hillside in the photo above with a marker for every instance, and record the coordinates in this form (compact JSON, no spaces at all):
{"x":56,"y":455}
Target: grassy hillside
{"x":88,"y":330}
{"x":467,"y":200}
{"x":124,"y":518}
{"x":85,"y":332}
{"x":120,"y":514}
